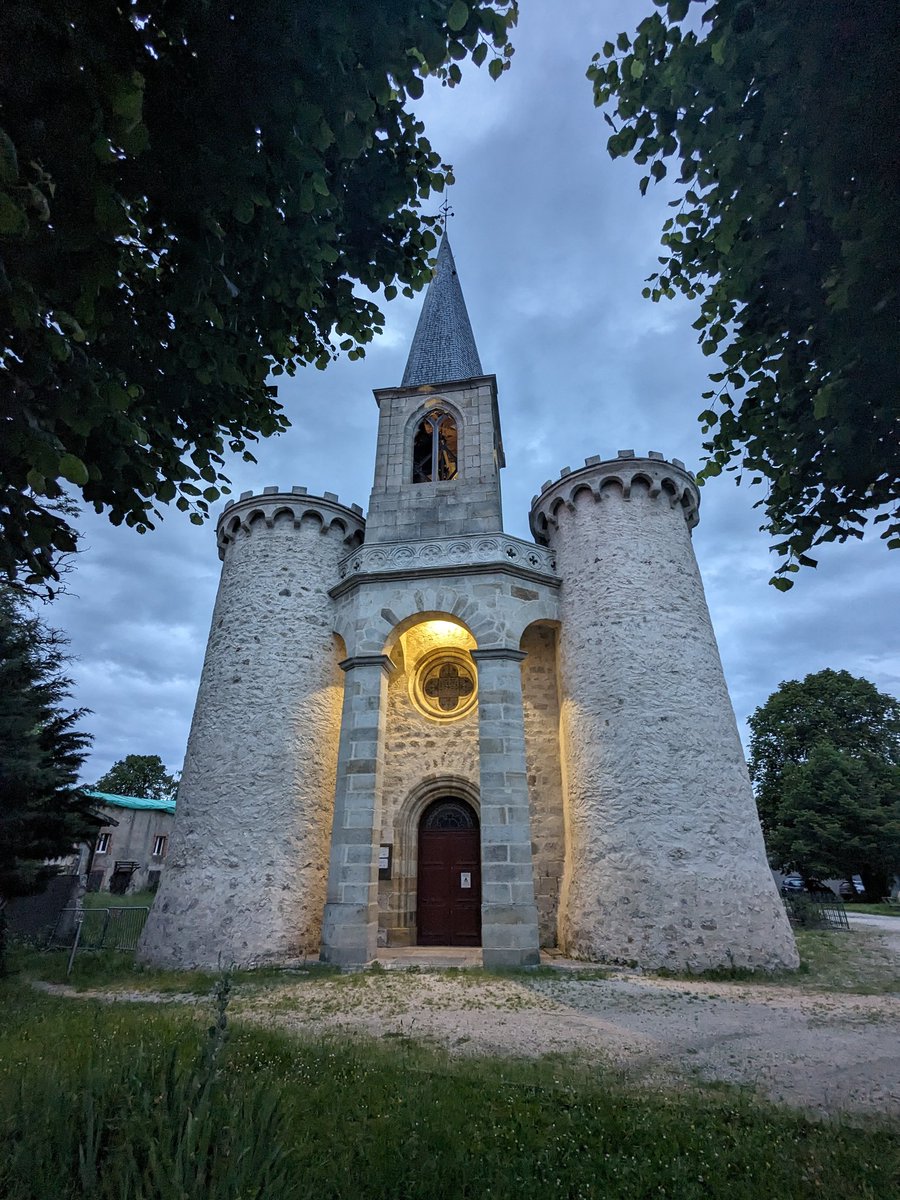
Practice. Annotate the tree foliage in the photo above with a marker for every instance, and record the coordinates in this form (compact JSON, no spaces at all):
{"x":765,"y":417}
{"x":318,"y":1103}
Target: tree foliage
{"x":142,"y":775}
{"x":781,"y":121}
{"x":825,"y":761}
{"x":189,"y":194}
{"x":43,"y":812}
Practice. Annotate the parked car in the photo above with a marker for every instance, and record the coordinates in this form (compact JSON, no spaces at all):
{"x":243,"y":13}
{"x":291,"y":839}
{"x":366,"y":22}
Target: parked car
{"x":852,"y":889}
{"x":792,"y":883}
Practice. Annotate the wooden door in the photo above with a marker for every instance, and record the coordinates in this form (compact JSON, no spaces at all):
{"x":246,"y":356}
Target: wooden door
{"x":449,"y":878}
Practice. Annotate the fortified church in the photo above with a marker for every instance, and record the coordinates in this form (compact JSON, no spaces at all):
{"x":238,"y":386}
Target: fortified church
{"x":413,"y":729}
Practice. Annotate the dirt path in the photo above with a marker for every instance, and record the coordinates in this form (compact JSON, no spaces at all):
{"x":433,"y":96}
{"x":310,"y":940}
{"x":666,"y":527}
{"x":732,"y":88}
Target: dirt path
{"x":819,"y":1050}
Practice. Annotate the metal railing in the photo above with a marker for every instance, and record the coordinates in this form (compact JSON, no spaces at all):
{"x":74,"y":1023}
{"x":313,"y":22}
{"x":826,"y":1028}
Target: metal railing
{"x":816,"y":910}
{"x":99,"y":928}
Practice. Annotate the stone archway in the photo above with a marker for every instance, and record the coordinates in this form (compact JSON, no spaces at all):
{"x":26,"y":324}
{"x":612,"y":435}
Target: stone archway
{"x":406,"y":843}
{"x":448,"y":893}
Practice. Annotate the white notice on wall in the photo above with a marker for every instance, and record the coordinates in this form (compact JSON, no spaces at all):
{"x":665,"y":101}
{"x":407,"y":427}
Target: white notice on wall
{"x":384,"y":858}
{"x":465,"y":879}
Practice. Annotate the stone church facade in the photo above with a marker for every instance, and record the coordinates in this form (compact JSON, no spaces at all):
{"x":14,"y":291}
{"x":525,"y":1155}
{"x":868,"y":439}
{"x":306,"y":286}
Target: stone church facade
{"x":412,"y":728}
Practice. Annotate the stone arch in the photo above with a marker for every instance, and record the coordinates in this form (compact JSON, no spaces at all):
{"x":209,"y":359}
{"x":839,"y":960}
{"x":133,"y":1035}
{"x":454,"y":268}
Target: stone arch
{"x":406,"y":832}
{"x":416,"y":618}
{"x":405,"y":607}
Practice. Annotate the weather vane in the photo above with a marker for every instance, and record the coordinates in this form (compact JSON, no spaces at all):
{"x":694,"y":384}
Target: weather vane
{"x":446,"y":211}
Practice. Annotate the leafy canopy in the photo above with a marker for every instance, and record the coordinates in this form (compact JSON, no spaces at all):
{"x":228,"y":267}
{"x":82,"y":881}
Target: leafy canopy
{"x":189,"y":195}
{"x":825,"y":762}
{"x":780,"y":119}
{"x":142,"y":775}
{"x":43,"y":813}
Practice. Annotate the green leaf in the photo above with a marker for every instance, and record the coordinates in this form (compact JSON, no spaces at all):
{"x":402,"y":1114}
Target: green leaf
{"x":458,"y":15}
{"x":495,"y":68}
{"x":479,"y":54}
{"x":128,"y":99}
{"x":9,"y":162}
{"x":73,"y":469}
{"x":36,"y":480}
{"x":13,"y":222}
{"x":676,"y":10}
{"x":244,"y":210}
{"x":637,"y":68}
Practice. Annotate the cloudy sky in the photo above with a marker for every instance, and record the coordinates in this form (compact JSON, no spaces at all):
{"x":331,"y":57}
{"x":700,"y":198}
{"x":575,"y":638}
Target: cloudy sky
{"x":552,"y":242}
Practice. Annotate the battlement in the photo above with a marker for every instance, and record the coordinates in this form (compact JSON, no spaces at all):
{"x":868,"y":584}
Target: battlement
{"x":272,"y":503}
{"x":670,"y":481}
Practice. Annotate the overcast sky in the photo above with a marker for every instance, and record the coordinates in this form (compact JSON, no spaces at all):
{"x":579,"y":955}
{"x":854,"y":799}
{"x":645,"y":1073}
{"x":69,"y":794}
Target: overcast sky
{"x":552,"y":243}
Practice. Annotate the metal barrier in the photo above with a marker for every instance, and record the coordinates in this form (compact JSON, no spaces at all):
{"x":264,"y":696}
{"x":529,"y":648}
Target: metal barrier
{"x":816,"y":910}
{"x":99,"y":928}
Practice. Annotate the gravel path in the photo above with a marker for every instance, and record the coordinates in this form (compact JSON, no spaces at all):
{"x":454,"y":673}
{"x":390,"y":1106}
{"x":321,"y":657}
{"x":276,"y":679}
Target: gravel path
{"x":821,"y":1051}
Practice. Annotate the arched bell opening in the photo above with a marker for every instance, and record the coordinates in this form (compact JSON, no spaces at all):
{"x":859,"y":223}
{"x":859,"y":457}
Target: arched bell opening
{"x":448,"y":900}
{"x":435,"y":454}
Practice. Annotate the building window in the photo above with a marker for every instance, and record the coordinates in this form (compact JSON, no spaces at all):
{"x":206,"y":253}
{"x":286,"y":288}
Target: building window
{"x":103,"y":843}
{"x":435,"y":448}
{"x":159,"y":846}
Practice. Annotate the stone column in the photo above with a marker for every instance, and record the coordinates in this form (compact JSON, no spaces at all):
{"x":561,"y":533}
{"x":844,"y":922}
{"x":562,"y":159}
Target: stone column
{"x":350,"y":923}
{"x":509,"y":926}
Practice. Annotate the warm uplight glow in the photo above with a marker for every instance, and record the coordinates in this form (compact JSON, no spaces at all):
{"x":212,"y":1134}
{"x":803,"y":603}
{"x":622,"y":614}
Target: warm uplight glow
{"x":443,"y":629}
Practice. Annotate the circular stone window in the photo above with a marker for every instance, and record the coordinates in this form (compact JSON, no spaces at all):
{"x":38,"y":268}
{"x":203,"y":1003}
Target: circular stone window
{"x":444,"y":685}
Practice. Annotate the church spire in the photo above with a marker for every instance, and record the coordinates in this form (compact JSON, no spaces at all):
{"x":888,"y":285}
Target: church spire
{"x":443,"y":349}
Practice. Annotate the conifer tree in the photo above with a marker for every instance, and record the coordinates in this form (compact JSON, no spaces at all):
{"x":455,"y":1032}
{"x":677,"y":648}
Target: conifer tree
{"x":43,"y":812}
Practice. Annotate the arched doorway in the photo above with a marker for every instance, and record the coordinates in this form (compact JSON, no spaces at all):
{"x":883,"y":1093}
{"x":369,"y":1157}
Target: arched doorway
{"x":449,"y":875}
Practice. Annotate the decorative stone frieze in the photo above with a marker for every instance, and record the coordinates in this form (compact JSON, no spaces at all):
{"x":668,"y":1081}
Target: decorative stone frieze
{"x":489,"y":550}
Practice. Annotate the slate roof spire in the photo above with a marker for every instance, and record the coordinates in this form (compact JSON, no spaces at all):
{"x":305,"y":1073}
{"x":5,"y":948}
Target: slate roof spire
{"x":443,"y":349}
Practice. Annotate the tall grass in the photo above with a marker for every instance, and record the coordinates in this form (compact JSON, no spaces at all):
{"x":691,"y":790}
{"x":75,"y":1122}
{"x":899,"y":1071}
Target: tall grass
{"x":143,"y":1103}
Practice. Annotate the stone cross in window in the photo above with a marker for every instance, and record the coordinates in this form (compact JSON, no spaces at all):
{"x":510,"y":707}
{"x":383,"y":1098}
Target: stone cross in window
{"x":449,"y":686}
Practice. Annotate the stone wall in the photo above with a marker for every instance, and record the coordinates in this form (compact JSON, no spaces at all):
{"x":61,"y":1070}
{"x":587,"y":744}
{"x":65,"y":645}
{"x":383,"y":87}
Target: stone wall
{"x":541,"y":711}
{"x":666,"y":865}
{"x":246,"y":870}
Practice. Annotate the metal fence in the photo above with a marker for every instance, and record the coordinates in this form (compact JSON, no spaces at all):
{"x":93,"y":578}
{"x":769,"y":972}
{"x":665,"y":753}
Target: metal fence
{"x":816,"y":910}
{"x":100,"y":928}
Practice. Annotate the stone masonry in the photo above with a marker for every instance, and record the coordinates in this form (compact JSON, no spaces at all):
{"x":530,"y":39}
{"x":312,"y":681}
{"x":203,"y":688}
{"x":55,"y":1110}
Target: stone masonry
{"x":559,"y":704}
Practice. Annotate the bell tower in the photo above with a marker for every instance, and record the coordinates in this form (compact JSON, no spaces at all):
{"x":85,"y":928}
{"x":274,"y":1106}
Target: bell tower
{"x":439,"y":452}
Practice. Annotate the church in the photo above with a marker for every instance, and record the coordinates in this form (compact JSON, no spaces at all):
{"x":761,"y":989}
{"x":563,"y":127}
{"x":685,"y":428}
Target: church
{"x":413,"y":729}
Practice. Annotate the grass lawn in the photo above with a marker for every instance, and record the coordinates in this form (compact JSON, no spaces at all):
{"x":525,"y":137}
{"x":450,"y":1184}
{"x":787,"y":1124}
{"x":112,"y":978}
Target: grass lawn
{"x":875,"y":910}
{"x":146,"y":1102}
{"x":108,"y":900}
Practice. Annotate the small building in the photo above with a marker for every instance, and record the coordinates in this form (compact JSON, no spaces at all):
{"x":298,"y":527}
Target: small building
{"x":131,"y":846}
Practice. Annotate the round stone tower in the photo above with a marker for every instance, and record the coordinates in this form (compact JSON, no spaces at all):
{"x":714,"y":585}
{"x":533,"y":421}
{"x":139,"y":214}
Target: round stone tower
{"x":665,"y":861}
{"x":244,"y":880}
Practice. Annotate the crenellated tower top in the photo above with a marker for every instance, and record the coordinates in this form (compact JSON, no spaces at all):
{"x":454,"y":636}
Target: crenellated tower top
{"x":667,"y":480}
{"x":274,"y":504}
